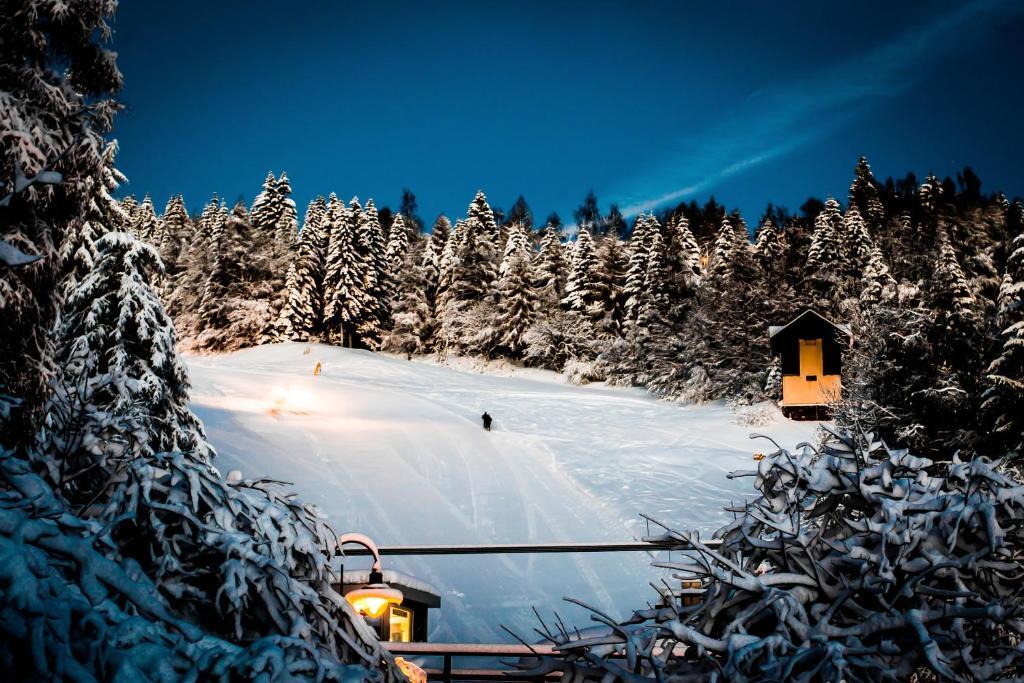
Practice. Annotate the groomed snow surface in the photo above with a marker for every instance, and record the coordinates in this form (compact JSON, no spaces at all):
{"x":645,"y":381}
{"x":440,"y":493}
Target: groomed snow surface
{"x":395,"y":449}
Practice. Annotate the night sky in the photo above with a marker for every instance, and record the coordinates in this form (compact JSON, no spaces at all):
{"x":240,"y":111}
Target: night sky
{"x":647,"y":103}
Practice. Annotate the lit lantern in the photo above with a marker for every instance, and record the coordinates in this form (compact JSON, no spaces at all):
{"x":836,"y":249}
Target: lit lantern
{"x":371,"y":600}
{"x":395,"y":605}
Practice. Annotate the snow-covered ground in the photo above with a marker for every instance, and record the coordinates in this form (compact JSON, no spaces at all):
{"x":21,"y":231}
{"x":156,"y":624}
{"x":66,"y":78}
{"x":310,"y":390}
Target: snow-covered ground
{"x":394,"y":449}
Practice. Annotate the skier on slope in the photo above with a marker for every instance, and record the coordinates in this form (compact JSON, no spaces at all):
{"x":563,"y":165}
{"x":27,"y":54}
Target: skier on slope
{"x":487,"y":420}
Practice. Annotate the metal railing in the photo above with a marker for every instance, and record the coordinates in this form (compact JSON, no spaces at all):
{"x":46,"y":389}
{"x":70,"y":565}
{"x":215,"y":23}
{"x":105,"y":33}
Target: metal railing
{"x":449,"y":652}
{"x":513,"y":548}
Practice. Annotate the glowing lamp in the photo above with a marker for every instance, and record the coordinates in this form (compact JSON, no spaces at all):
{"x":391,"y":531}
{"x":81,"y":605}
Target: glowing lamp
{"x":373,"y":599}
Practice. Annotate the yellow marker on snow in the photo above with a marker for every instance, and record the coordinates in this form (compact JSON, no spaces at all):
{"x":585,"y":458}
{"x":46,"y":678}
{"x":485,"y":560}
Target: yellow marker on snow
{"x":316,"y":369}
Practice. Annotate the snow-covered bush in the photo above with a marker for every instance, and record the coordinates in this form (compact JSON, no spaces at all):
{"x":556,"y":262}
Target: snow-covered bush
{"x":72,"y":608}
{"x":555,"y":340}
{"x":857,"y":562}
{"x":245,"y":559}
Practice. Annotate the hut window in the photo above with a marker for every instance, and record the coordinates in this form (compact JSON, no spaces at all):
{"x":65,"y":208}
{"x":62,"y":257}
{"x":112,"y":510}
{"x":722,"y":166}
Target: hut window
{"x":400,"y":625}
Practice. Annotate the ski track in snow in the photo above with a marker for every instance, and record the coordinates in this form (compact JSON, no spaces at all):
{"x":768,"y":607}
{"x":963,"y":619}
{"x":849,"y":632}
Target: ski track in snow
{"x":395,"y":449}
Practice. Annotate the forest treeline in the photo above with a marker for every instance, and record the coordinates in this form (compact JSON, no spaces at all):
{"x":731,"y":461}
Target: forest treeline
{"x":927,"y":275}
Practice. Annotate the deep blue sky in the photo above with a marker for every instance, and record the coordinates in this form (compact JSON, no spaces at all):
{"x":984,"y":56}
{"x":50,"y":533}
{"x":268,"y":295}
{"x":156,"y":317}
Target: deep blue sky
{"x":641,"y":101}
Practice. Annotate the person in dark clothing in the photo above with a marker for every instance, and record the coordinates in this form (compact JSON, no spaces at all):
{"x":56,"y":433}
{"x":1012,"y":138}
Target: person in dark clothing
{"x":487,"y":421}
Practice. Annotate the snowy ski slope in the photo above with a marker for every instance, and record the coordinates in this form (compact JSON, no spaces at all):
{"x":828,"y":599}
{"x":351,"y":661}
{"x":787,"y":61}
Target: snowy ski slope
{"x":394,"y":449}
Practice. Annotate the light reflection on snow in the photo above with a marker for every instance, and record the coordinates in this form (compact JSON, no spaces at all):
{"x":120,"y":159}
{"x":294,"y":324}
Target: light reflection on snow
{"x":290,"y":399}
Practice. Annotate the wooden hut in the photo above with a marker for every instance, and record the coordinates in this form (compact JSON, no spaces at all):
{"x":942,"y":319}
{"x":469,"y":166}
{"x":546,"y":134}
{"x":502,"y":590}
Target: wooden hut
{"x":810,"y":348}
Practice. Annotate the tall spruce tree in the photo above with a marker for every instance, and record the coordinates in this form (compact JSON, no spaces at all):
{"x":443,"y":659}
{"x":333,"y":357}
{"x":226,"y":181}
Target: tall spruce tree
{"x":636,"y":274}
{"x":144,"y":222}
{"x":175,"y":228}
{"x":116,"y":346}
{"x":346,"y":303}
{"x":613,"y":262}
{"x":581,"y":289}
{"x":723,"y":255}
{"x":683,"y":256}
{"x":550,"y":267}
{"x":373,"y":249}
{"x":102,"y":213}
{"x":516,"y":295}
{"x":769,"y":247}
{"x":398,"y":247}
{"x":1004,"y":379}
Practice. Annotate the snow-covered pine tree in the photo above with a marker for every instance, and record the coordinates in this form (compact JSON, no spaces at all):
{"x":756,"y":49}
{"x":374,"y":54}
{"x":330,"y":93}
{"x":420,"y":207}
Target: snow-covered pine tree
{"x":723,"y":254}
{"x":650,"y":352}
{"x":373,"y":250}
{"x":433,"y":253}
{"x":413,"y":314}
{"x":344,"y":287}
{"x":302,"y":316}
{"x":102,"y":213}
{"x":175,"y":228}
{"x":656,"y":283}
{"x":203,"y":236}
{"x":286,"y":330}
{"x":476,"y":269}
{"x":855,"y":244}
{"x":481,"y":212}
{"x":773,"y":380}
{"x":260,"y":212}
{"x":129,"y":205}
{"x":917,"y":373}
{"x":144,"y":221}
{"x":239,"y":299}
{"x":930,"y":194}
{"x":636,"y":274}
{"x":612,"y":264}
{"x":116,"y":347}
{"x":550,"y":268}
{"x":447,"y":267}
{"x":825,"y":250}
{"x":949,"y":293}
{"x":398,"y":247}
{"x":56,"y":82}
{"x":770,"y":250}
{"x":878,"y":285}
{"x":581,"y":289}
{"x":1004,"y":394}
{"x":683,"y":256}
{"x":516,"y":295}
{"x":285,"y":215}
{"x":865,"y":195}
{"x":825,"y":267}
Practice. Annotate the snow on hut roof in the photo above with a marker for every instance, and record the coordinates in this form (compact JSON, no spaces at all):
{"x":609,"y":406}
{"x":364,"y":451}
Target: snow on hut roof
{"x":776,"y":329}
{"x":396,"y":579}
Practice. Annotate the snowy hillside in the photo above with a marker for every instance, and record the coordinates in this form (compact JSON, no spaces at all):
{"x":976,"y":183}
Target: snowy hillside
{"x":395,"y":449}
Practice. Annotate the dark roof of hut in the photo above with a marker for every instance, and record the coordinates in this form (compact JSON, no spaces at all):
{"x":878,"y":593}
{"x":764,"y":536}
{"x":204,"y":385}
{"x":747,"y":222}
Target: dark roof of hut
{"x":807,"y":325}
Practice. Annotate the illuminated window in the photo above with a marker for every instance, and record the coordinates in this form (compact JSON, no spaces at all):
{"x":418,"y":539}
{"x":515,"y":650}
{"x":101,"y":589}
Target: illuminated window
{"x":400,"y":625}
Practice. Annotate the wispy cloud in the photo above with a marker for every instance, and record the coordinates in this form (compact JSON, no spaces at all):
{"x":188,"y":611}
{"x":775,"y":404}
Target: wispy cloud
{"x":779,"y":119}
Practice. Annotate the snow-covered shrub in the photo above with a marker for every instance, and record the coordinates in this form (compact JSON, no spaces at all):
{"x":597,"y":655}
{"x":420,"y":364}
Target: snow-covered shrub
{"x":556,"y":339}
{"x":246,"y":559}
{"x":72,"y":607}
{"x":581,"y":372}
{"x":857,"y":562}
